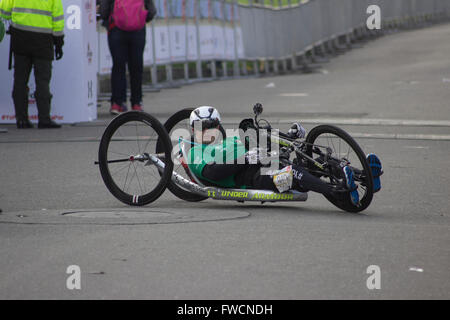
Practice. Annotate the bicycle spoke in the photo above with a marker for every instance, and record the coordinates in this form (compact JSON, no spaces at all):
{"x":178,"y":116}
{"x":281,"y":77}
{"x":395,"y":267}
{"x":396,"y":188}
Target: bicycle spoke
{"x":328,"y":140}
{"x":137,"y":137}
{"x":119,"y":131}
{"x":151,"y":172}
{"x":137,"y":177}
{"x":339,"y":149}
{"x":348,"y":152}
{"x":126,"y":178}
{"x":146,"y":145}
{"x":120,"y":169}
{"x":119,"y":153}
{"x":334,"y":148}
{"x":134,"y":174}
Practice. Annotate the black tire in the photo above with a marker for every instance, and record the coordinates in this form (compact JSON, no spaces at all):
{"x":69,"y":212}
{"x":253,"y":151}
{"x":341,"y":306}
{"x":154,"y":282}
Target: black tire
{"x":365,"y":183}
{"x":171,"y":123}
{"x":117,"y":137}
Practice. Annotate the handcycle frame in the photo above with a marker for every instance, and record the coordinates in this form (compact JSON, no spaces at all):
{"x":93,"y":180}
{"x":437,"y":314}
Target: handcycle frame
{"x":219,"y":193}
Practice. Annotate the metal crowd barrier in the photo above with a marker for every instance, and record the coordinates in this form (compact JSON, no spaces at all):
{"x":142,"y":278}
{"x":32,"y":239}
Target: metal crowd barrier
{"x":204,"y":40}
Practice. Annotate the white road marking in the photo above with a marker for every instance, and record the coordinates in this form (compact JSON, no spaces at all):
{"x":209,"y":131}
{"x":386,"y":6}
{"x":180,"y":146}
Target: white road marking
{"x":270,"y":85}
{"x":293,"y":95}
{"x":401,"y":136}
{"x":375,"y":122}
{"x":416,"y":269}
{"x":416,"y":147}
{"x":406,"y":82}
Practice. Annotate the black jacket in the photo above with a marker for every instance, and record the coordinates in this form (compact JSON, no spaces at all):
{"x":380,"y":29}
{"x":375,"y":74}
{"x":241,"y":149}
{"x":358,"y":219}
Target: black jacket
{"x":107,"y":7}
{"x":34,"y":44}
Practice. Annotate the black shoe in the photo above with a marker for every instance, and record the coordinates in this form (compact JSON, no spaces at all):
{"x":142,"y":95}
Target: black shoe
{"x":24,"y":124}
{"x":48,"y":125}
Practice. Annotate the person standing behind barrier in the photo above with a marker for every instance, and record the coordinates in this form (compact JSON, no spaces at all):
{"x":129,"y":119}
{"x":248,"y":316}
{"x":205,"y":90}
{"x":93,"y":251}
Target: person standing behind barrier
{"x":37,"y":36}
{"x":126,"y":40}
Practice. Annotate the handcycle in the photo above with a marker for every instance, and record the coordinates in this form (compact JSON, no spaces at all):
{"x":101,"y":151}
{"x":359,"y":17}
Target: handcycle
{"x":139,"y":158}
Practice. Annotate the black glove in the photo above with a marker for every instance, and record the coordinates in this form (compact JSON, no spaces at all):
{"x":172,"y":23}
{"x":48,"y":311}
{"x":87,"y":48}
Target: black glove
{"x":58,"y":52}
{"x":58,"y":41}
{"x":297,"y":131}
{"x":246,"y":124}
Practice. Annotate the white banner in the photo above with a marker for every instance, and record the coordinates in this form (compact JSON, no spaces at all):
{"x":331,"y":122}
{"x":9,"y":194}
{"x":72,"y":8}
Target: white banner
{"x":239,"y":42}
{"x":192,"y":53}
{"x":207,"y":39}
{"x":162,"y":44}
{"x":178,"y":41}
{"x":148,"y":50}
{"x":74,"y":77}
{"x":229,"y":43}
{"x":105,"y":59}
{"x":219,"y":41}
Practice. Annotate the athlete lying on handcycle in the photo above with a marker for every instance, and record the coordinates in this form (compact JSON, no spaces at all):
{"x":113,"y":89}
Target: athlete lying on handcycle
{"x":206,"y":162}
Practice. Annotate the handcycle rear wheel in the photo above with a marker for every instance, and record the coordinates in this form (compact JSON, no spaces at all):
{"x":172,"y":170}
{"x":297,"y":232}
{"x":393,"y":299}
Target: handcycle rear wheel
{"x":179,"y":121}
{"x":124,"y":163}
{"x":344,"y":147}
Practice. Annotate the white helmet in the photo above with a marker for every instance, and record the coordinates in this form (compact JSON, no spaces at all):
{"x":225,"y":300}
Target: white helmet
{"x":208,"y":116}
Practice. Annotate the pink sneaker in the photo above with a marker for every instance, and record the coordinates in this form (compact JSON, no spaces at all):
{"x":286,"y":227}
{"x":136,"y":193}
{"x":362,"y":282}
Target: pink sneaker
{"x":117,"y":109}
{"x":137,"y":107}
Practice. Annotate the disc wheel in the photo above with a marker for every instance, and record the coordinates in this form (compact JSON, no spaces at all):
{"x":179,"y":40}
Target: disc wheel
{"x":124,"y":158}
{"x":345,"y":149}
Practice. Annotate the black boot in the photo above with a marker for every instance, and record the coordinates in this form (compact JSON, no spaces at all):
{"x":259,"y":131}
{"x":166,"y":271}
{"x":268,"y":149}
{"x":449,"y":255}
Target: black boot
{"x":24,"y":124}
{"x":49,"y":125}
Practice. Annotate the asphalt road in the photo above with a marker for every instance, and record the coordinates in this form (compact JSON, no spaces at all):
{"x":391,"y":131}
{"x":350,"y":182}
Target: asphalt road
{"x":227,"y":250}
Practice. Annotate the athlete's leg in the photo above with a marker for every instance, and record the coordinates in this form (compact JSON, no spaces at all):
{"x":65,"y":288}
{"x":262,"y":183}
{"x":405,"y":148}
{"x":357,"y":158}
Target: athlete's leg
{"x":251,"y":177}
{"x":305,"y":181}
{"x":302,"y":180}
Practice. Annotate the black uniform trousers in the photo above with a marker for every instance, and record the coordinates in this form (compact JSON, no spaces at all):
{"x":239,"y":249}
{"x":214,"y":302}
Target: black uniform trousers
{"x":42,"y":74}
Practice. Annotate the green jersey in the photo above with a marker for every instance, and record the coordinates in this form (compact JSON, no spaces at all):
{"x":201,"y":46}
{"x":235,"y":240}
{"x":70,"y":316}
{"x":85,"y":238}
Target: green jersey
{"x":226,"y":152}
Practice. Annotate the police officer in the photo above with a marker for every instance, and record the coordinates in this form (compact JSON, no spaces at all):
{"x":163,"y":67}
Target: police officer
{"x":37,"y":37}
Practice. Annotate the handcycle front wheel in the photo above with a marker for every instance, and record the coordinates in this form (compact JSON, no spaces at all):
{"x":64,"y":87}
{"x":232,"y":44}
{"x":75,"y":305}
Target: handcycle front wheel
{"x":124,"y":158}
{"x":344,"y":148}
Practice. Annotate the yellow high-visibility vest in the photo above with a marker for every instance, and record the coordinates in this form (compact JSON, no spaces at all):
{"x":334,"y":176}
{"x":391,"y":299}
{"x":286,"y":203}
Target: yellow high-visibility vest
{"x":44,"y":16}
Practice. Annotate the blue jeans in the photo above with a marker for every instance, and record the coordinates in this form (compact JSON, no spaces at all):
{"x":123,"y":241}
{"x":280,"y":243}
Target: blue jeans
{"x":126,"y":48}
